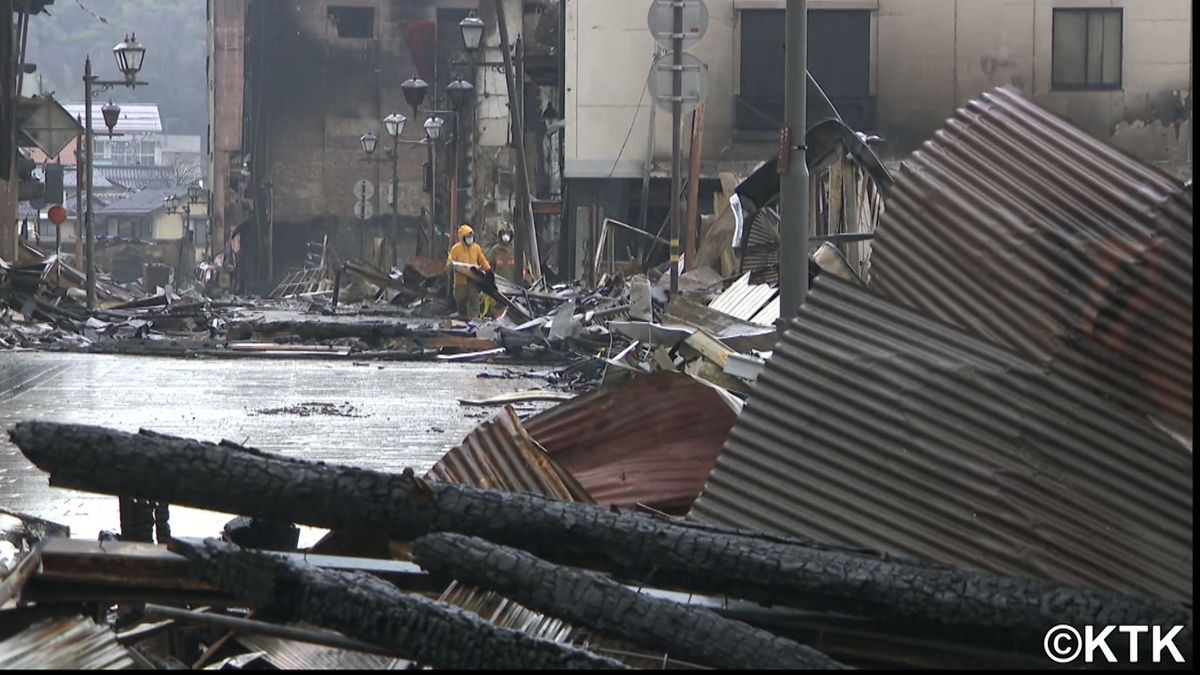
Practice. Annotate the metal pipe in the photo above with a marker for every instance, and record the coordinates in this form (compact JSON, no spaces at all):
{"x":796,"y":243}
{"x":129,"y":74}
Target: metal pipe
{"x":88,"y":225}
{"x":676,"y":150}
{"x":793,"y":184}
{"x":316,"y":637}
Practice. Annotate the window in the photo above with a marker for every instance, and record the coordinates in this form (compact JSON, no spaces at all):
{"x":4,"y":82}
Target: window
{"x":839,"y":59}
{"x":353,"y":22}
{"x":1087,"y":49}
{"x":760,"y":105}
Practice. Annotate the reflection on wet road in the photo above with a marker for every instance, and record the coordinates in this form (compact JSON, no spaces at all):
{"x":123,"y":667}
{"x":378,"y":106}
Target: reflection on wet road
{"x":383,"y":416}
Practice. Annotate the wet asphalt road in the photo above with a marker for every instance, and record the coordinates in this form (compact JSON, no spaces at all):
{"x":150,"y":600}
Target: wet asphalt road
{"x":383,"y":416}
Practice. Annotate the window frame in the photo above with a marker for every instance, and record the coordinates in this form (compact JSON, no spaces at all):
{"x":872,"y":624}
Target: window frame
{"x":1055,"y":85}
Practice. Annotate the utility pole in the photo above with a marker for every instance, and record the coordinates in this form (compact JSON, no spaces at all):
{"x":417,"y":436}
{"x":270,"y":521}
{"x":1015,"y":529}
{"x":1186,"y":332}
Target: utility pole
{"x":527,"y":245}
{"x":89,"y":231}
{"x":79,"y":187}
{"x":676,"y":126}
{"x":793,"y":181}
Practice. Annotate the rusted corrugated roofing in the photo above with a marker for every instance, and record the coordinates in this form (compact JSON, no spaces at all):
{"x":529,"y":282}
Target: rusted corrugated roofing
{"x":500,"y":455}
{"x":652,"y":441}
{"x":72,"y":643}
{"x":873,"y":426}
{"x":1019,"y":228}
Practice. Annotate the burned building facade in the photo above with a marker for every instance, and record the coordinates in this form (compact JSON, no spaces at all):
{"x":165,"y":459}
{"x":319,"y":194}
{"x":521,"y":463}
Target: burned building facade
{"x":294,"y":87}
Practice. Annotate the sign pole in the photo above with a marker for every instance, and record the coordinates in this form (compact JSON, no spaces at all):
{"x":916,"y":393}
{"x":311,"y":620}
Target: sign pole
{"x":676,"y":125}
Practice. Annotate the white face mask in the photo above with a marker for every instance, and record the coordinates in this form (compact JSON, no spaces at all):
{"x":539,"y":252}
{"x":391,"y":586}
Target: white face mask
{"x":470,"y":240}
{"x":506,"y":239}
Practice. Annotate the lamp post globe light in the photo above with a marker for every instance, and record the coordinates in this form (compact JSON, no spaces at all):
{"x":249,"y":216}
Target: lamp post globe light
{"x":414,"y":90}
{"x":369,"y":142}
{"x":394,"y":124}
{"x":472,"y":31}
{"x":112,"y":113}
{"x":433,"y":128}
{"x":458,"y":92}
{"x":130,"y":54}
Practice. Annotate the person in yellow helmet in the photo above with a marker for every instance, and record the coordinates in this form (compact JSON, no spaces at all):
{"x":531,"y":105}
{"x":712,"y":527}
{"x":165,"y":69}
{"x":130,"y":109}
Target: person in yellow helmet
{"x":466,"y":298}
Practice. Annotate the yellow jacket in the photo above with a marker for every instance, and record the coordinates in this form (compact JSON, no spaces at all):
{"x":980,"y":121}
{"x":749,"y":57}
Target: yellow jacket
{"x":471,"y":255}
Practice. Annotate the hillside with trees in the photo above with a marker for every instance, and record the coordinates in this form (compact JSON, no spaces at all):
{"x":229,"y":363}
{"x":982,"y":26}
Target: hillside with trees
{"x":174,"y":36}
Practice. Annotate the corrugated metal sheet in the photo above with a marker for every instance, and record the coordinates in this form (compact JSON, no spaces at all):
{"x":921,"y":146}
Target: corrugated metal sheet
{"x":652,"y":441}
{"x":500,"y":455}
{"x":1021,"y":229}
{"x":742,"y":299}
{"x":72,"y":643}
{"x":875,"y":427}
{"x":769,"y":314}
{"x":292,"y":655}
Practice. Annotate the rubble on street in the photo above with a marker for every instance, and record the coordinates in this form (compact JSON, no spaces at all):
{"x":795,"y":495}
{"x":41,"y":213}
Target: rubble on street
{"x":978,"y":427}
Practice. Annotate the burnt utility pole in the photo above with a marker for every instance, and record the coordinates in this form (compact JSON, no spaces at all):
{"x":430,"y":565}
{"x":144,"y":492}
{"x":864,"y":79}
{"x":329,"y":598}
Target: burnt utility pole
{"x":678,"y":25}
{"x":130,"y":55}
{"x":793,"y":167}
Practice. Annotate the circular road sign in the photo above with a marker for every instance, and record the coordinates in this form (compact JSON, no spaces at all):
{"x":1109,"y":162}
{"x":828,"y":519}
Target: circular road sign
{"x":693,"y":83}
{"x":662,"y":22}
{"x":57,"y":215}
{"x":364,"y":210}
{"x":364,"y":189}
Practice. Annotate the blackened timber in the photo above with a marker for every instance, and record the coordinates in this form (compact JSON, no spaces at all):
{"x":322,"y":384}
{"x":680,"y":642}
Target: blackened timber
{"x":698,"y":558}
{"x":593,"y":600}
{"x":365,"y":608}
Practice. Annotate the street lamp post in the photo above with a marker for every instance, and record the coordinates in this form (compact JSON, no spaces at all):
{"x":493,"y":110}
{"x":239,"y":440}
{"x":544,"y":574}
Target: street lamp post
{"x":183,"y":204}
{"x":472,"y":29}
{"x":130,"y":56}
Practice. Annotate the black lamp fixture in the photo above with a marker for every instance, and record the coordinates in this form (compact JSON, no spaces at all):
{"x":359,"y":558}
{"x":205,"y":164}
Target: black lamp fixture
{"x":196,"y":192}
{"x":394,"y":124}
{"x":472,"y":31}
{"x":414,"y":89}
{"x":111,"y":112}
{"x":369,"y":142}
{"x":458,"y":92}
{"x":130,"y":54}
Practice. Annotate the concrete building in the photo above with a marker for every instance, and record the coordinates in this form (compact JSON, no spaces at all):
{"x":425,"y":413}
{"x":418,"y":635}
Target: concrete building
{"x":294,"y":86}
{"x":1120,"y":69}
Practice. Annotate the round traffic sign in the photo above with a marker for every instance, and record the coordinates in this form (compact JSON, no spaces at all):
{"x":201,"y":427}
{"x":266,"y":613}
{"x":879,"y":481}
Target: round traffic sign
{"x":662,"y":22}
{"x":57,"y":215}
{"x":364,"y":189}
{"x":693,"y":81}
{"x":364,"y":210}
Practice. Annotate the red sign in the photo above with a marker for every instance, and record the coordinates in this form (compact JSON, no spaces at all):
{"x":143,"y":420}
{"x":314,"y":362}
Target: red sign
{"x":783,"y":161}
{"x":57,"y":215}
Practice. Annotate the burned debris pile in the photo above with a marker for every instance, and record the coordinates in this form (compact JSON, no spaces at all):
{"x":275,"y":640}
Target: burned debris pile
{"x":931,"y":466}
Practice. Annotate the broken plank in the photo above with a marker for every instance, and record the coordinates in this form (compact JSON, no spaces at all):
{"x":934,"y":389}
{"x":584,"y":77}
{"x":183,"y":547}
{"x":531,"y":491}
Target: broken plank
{"x":472,"y":355}
{"x":518,"y":397}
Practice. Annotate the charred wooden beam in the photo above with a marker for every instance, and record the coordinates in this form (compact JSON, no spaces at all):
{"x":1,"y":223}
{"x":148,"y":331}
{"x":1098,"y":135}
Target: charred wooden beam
{"x":703,"y":559}
{"x":368,"y":609}
{"x":597,"y":602}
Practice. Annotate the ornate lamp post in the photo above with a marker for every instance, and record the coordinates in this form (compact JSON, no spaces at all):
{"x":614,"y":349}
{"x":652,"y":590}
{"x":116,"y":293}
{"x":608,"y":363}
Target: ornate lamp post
{"x":130,"y":56}
{"x":472,"y":29}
